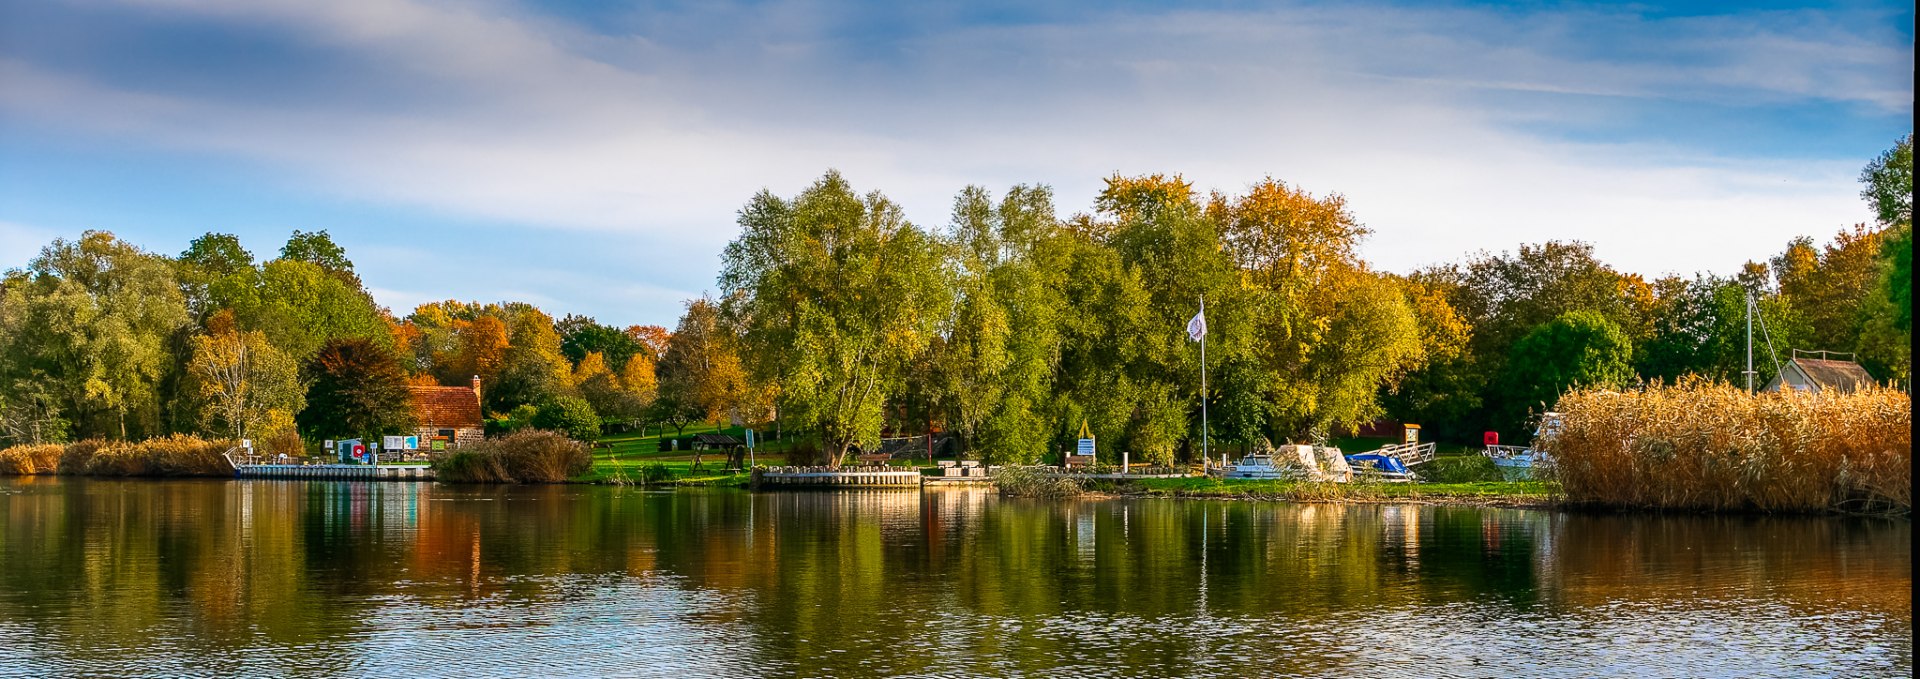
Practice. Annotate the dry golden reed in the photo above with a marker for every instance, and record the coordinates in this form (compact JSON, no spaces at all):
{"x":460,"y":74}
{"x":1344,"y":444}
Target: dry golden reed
{"x":30,"y":459}
{"x":1706,"y":445}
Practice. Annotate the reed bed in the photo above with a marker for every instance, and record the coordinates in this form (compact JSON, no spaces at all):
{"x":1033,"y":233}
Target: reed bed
{"x":30,"y":459}
{"x":527,"y":456}
{"x":1709,"y":446}
{"x":176,"y":455}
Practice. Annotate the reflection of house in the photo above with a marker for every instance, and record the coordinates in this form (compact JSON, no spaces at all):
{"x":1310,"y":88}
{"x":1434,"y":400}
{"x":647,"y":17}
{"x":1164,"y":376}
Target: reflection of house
{"x":1820,"y":374}
{"x":451,"y":413}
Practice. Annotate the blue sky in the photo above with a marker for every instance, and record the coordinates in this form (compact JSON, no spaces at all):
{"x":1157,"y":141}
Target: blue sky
{"x":590,"y":157}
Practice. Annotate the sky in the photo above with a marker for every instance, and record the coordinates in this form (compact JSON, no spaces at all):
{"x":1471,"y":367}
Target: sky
{"x":591,"y":157}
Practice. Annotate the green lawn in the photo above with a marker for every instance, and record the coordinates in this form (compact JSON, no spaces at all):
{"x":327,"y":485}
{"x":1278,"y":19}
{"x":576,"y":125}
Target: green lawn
{"x":627,"y":453}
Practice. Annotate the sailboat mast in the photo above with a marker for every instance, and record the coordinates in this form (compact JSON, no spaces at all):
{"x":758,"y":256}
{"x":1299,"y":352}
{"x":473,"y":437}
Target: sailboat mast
{"x":1749,"y":341}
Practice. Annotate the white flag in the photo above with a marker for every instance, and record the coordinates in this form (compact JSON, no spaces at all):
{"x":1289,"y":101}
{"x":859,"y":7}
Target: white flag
{"x":1197,"y":328}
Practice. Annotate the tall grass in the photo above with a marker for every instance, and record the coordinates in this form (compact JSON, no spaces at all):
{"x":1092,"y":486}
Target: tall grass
{"x":176,"y":455}
{"x":29,"y":459}
{"x":527,"y":456}
{"x":1705,"y":445}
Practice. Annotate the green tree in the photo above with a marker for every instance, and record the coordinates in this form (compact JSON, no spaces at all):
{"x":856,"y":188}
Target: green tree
{"x":209,"y":259}
{"x":355,"y":387}
{"x":1576,"y":349}
{"x":300,"y":307}
{"x":992,"y":362}
{"x":317,"y":248}
{"x":570,"y":415}
{"x":837,"y":294}
{"x":1887,"y":184}
{"x":581,"y":335}
{"x":85,"y":332}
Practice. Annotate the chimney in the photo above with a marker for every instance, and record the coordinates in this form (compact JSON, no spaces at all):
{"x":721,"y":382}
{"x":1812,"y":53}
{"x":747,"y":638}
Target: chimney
{"x":476,"y":389}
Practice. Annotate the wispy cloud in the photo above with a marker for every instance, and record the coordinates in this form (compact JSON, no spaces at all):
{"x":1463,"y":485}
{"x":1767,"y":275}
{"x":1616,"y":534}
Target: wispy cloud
{"x":508,"y":114}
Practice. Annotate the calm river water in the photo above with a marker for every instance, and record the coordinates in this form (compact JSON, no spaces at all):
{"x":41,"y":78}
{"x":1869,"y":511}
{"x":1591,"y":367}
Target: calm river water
{"x":318,"y":578}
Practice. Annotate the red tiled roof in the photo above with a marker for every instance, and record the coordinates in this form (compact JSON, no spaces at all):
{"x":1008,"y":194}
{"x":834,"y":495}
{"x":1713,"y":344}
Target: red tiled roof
{"x":449,"y":407}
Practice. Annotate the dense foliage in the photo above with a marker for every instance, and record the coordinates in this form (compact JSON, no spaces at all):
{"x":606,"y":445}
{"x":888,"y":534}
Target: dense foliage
{"x":1009,"y":328}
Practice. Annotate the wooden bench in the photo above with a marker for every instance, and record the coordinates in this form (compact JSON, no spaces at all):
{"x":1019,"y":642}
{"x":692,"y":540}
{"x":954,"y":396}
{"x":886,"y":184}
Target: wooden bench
{"x":874,"y":458}
{"x":1079,"y":461}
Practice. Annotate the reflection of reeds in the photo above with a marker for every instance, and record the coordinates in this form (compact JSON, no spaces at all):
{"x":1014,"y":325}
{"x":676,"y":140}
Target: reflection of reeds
{"x":1705,"y":445}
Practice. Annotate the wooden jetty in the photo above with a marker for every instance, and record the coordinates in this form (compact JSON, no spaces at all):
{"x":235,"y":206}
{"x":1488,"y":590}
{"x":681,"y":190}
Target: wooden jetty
{"x":335,"y":472}
{"x":827,"y":477}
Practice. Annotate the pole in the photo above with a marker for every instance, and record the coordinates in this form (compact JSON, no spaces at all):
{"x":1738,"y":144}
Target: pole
{"x":1749,"y":341}
{"x":1203,"y":379}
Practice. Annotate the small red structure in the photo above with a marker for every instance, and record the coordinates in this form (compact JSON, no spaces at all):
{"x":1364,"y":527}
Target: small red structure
{"x":1491,"y":438}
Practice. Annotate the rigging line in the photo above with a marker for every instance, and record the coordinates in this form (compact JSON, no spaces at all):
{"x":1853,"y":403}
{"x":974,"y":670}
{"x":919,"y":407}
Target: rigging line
{"x":1755,"y":303}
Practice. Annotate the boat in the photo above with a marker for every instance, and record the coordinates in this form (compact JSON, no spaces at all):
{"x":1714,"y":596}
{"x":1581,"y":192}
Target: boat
{"x":1292,"y":462}
{"x":1383,"y":467}
{"x":1517,"y":463}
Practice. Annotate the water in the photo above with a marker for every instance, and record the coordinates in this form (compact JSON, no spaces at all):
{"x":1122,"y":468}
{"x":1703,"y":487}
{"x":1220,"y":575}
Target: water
{"x":336,"y":578}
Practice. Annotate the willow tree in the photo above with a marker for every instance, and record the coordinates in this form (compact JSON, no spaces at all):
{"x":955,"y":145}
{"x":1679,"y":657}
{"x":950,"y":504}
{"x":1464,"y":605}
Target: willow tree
{"x":835,"y":294}
{"x":993,"y":364}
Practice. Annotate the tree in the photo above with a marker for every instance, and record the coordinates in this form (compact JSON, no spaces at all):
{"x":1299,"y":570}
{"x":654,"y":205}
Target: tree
{"x":1898,"y":280}
{"x":653,"y":338}
{"x":837,"y":293}
{"x":355,"y":387}
{"x":701,"y":377}
{"x":570,"y":415}
{"x":300,"y":306}
{"x":1887,"y":184}
{"x":251,"y":389}
{"x":991,"y":365}
{"x":317,"y":248}
{"x":85,"y":332}
{"x":533,"y":369}
{"x":1576,"y":349}
{"x":581,"y":335}
{"x":211,"y":258}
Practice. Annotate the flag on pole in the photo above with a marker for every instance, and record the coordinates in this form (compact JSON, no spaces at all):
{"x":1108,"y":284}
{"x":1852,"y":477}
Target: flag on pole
{"x":1197,"y":328}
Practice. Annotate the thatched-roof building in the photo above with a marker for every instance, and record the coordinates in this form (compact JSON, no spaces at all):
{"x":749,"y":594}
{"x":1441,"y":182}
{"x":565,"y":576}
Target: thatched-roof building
{"x":1820,"y":374}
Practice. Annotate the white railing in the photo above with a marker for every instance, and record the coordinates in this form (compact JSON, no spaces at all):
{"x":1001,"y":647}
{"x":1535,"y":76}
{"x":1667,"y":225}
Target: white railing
{"x":1408,"y":454}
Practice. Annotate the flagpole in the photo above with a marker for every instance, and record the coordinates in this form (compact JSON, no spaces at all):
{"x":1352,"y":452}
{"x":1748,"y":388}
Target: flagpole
{"x":1203,"y":381}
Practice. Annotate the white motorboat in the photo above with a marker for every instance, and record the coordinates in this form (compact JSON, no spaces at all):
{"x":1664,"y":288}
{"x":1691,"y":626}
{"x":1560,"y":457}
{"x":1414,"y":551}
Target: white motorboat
{"x":1519,"y":462}
{"x":1294,"y":462}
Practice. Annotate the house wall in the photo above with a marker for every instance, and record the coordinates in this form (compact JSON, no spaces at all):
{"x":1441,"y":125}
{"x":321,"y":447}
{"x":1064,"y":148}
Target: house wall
{"x":461,"y":435}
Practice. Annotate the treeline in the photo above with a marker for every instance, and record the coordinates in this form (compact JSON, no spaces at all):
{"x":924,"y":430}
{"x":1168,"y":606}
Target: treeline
{"x":841,"y":321}
{"x":100,"y":339}
{"x":1011,"y":327}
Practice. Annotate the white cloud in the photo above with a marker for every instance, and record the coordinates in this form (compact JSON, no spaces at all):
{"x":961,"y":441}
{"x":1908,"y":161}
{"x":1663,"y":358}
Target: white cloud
{"x":526,"y":119}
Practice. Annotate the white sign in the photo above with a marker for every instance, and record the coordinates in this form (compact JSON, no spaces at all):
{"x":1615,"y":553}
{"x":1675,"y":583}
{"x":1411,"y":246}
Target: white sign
{"x":393,"y":442}
{"x":413,"y":443}
{"x":1086,"y":447}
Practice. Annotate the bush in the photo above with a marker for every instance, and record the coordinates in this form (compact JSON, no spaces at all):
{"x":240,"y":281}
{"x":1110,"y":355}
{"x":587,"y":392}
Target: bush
{"x":1034,"y":482}
{"x":1703,"y":445}
{"x":570,"y":415}
{"x":521,"y":417}
{"x":176,"y":455}
{"x":806,"y":454}
{"x":532,"y":456}
{"x":1459,"y":469}
{"x":29,"y":459}
{"x":654,"y":473}
{"x":74,"y":459}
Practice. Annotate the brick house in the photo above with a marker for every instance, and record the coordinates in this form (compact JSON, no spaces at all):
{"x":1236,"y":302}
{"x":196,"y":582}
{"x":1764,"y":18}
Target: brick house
{"x":451,"y":413}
